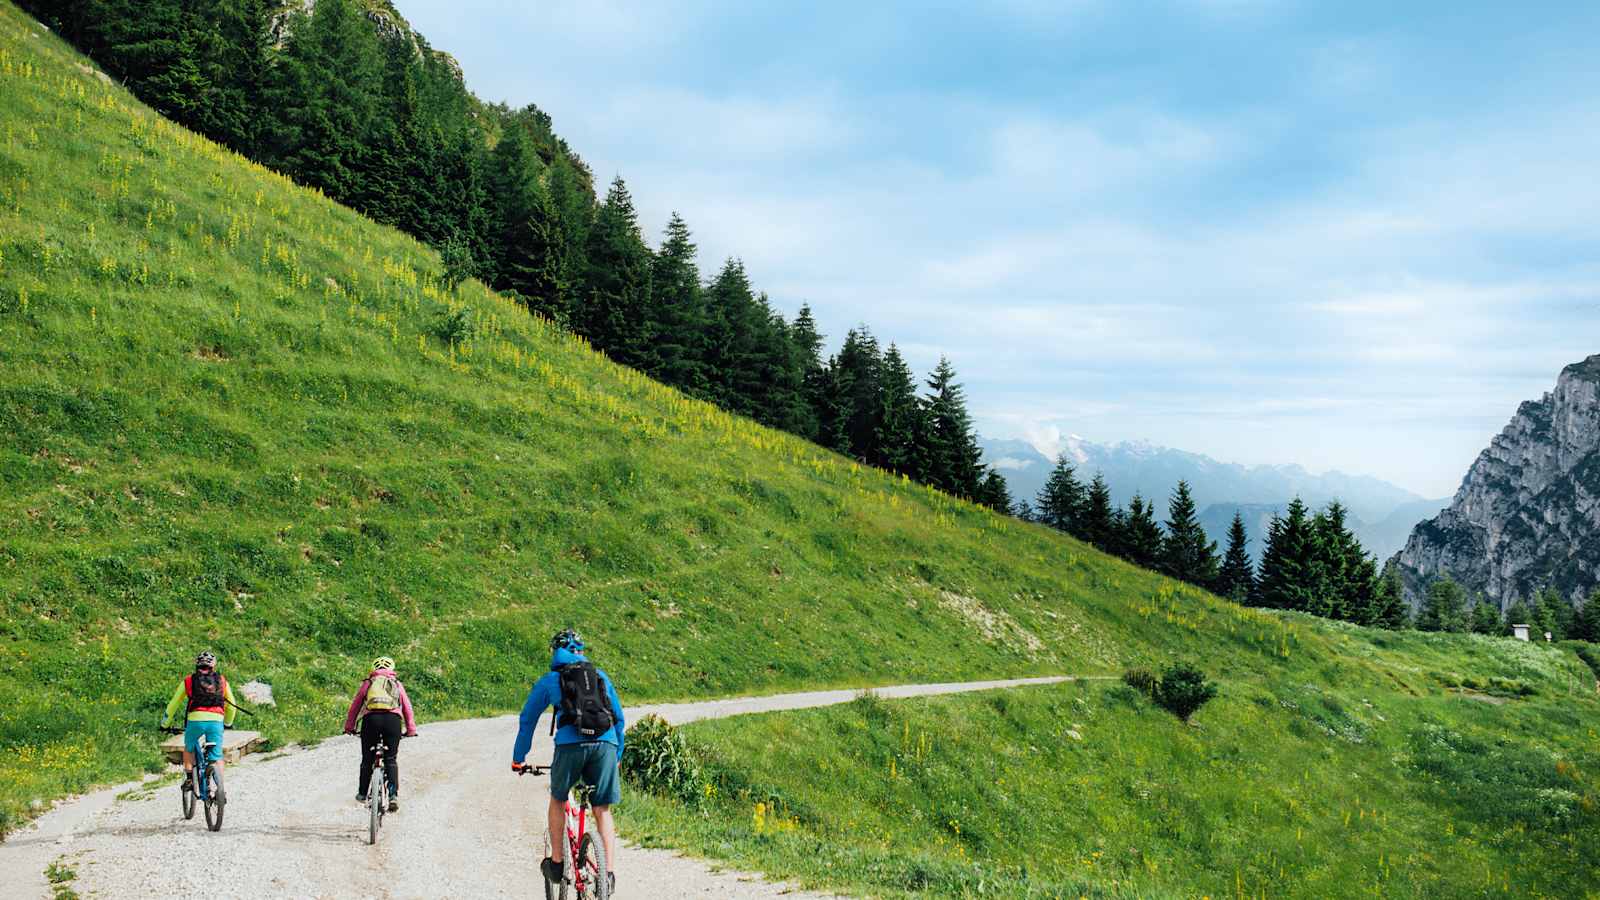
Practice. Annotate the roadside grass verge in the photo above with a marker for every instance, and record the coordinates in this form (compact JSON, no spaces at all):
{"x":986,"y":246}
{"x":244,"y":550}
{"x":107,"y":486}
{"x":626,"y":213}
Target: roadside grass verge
{"x":1087,"y":789}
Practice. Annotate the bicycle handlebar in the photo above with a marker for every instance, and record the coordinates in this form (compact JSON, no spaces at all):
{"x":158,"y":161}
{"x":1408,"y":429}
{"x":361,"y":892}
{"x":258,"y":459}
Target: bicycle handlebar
{"x":533,"y":770}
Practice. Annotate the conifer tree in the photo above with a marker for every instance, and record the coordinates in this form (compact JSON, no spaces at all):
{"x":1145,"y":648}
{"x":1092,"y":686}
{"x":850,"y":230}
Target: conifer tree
{"x":1236,"y":577}
{"x":1443,"y":607}
{"x":1099,"y":523}
{"x":1186,"y":553}
{"x":1586,"y":621}
{"x":994,"y":493}
{"x":1520,"y":612}
{"x":954,"y":460}
{"x":1285,"y":571}
{"x":678,"y":325}
{"x":807,"y":341}
{"x":1389,"y":606}
{"x":323,"y":98}
{"x":1553,"y":613}
{"x":1330,"y":581}
{"x":1485,"y":617}
{"x":857,"y":396}
{"x":616,"y":287}
{"x":901,"y":425}
{"x":1141,"y":534}
{"x":1061,"y":501}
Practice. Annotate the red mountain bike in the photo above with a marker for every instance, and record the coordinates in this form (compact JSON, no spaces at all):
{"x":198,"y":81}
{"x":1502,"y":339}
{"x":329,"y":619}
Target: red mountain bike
{"x":583,"y":872}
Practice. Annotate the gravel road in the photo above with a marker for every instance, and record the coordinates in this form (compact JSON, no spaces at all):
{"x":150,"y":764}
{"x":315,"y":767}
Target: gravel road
{"x":466,"y":826}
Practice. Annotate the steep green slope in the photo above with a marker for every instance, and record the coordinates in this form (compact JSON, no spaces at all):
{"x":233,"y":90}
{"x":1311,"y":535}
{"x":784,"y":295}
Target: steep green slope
{"x":235,"y":415}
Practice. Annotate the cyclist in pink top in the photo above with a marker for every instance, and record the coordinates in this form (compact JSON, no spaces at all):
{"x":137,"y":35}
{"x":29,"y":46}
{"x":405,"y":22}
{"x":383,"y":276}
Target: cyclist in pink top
{"x":384,"y":710}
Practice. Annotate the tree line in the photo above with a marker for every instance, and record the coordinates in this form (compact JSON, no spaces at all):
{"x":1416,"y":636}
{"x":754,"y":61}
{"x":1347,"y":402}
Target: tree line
{"x":1446,"y":607}
{"x":348,"y":100}
{"x":1311,"y":563}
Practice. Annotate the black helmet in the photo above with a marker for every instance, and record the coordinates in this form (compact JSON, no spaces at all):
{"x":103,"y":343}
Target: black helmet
{"x":206,"y":660}
{"x":567,"y":639}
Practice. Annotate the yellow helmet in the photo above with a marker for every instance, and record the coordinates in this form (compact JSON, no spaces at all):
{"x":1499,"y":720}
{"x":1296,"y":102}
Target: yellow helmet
{"x":383,"y":662}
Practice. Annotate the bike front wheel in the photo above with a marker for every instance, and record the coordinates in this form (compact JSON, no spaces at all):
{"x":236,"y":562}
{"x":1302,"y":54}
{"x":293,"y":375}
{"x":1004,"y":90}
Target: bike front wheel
{"x":193,"y":786}
{"x":555,"y":891}
{"x":217,"y":800}
{"x":592,"y":861}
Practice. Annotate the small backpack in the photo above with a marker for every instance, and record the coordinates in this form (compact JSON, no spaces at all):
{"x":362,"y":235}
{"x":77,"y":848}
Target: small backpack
{"x":205,"y":690}
{"x":585,"y":704}
{"x":383,"y":694}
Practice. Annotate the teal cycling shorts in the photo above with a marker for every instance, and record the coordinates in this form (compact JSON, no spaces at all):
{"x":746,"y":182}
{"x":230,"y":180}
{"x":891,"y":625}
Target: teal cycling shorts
{"x":213,"y":733}
{"x":593,"y":763}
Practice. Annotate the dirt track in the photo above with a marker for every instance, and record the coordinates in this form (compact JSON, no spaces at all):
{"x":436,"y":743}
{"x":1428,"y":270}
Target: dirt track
{"x":467,"y":827}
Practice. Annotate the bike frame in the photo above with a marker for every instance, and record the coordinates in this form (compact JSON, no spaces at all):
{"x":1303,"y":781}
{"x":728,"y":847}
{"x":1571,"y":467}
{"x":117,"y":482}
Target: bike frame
{"x":577,"y":822}
{"x":577,"y":825}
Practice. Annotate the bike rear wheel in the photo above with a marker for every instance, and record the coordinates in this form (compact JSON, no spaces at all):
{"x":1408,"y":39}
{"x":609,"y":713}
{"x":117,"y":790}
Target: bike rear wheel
{"x":592,"y":861}
{"x":217,"y":800}
{"x":375,"y":806}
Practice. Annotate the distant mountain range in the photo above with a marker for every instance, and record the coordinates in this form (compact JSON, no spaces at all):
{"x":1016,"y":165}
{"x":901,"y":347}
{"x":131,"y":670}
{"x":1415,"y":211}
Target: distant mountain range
{"x":1381,"y":514}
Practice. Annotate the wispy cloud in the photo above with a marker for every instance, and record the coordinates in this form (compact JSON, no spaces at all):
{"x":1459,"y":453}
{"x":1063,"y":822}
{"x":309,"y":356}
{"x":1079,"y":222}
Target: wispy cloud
{"x":1264,"y":230}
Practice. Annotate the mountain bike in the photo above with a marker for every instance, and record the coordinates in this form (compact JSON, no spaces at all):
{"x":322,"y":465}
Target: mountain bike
{"x":377,"y":791}
{"x":203,"y":782}
{"x":583,"y":872}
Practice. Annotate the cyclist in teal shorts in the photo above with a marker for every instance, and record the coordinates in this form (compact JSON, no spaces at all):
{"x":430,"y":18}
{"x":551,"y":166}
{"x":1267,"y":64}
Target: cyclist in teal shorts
{"x":588,"y":743}
{"x":208,"y":700}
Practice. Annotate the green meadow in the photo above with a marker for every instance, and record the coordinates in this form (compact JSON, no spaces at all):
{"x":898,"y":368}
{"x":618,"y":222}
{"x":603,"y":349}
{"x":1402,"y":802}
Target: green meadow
{"x":236,"y":416}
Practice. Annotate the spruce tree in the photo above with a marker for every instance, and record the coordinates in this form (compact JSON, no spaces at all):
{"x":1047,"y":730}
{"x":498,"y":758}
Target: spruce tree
{"x":1099,"y":523}
{"x":954,"y":460}
{"x":323,"y":98}
{"x":1389,"y":604}
{"x":615,"y":304}
{"x":1586,"y":622}
{"x":1443,"y":607}
{"x":1286,"y":561}
{"x":1141,"y":534}
{"x":994,"y":493}
{"x":1186,"y":553}
{"x":1485,"y":617}
{"x":1236,"y":577}
{"x":807,"y":341}
{"x":1061,"y":501}
{"x":678,"y":326}
{"x":1331,"y":583}
{"x":1555,"y":613}
{"x":1520,"y":612}
{"x":901,"y":424}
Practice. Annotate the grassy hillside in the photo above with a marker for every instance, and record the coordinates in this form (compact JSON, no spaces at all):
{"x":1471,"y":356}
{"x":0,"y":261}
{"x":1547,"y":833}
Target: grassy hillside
{"x":234,"y":415}
{"x":1312,"y":779}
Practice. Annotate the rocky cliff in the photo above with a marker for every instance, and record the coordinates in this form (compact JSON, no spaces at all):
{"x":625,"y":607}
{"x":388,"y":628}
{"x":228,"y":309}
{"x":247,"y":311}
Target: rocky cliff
{"x":1528,"y":513}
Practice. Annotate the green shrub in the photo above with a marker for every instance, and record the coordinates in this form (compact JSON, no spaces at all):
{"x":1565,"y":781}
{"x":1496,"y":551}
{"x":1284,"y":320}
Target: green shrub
{"x":1141,"y":679}
{"x":659,"y":760}
{"x":1182,"y":690}
{"x":453,"y":326}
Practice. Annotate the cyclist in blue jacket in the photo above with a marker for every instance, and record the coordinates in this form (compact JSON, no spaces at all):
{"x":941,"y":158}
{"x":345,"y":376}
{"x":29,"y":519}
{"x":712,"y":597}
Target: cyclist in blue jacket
{"x":589,"y":741}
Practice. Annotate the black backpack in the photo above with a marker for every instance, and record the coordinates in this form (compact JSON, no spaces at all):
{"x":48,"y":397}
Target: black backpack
{"x":205,"y":689}
{"x":584,"y":701}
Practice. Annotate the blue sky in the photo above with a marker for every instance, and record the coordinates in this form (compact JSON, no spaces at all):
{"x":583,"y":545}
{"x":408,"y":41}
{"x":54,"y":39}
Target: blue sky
{"x":1347,"y":235}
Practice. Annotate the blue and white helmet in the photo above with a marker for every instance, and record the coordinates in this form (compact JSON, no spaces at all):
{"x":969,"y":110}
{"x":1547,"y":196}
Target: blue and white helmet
{"x":567,"y":639}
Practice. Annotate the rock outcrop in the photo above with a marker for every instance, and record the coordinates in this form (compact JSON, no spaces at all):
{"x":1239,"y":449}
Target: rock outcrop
{"x":1527,"y":515}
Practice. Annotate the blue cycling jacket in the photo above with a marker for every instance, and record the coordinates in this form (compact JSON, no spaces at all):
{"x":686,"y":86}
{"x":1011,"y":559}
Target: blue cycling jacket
{"x":547,"y":693}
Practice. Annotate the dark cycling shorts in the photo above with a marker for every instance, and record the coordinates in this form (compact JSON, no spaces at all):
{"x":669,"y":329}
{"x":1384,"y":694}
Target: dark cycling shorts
{"x":592,"y":763}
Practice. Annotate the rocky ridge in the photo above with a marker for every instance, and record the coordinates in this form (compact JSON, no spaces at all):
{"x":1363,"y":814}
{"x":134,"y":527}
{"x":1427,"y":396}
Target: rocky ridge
{"x":1527,"y":515}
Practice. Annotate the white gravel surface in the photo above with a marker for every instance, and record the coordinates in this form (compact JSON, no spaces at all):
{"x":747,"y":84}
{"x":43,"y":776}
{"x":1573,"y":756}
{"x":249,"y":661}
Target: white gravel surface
{"x":467,"y":826}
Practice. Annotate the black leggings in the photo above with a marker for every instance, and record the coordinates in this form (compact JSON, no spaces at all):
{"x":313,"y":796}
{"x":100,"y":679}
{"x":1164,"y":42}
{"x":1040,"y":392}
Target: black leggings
{"x":375,"y":725}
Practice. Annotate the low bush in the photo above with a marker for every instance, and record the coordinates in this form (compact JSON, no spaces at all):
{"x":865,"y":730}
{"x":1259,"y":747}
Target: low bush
{"x":660,"y":761}
{"x":1183,"y":689}
{"x":1142,"y":680}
